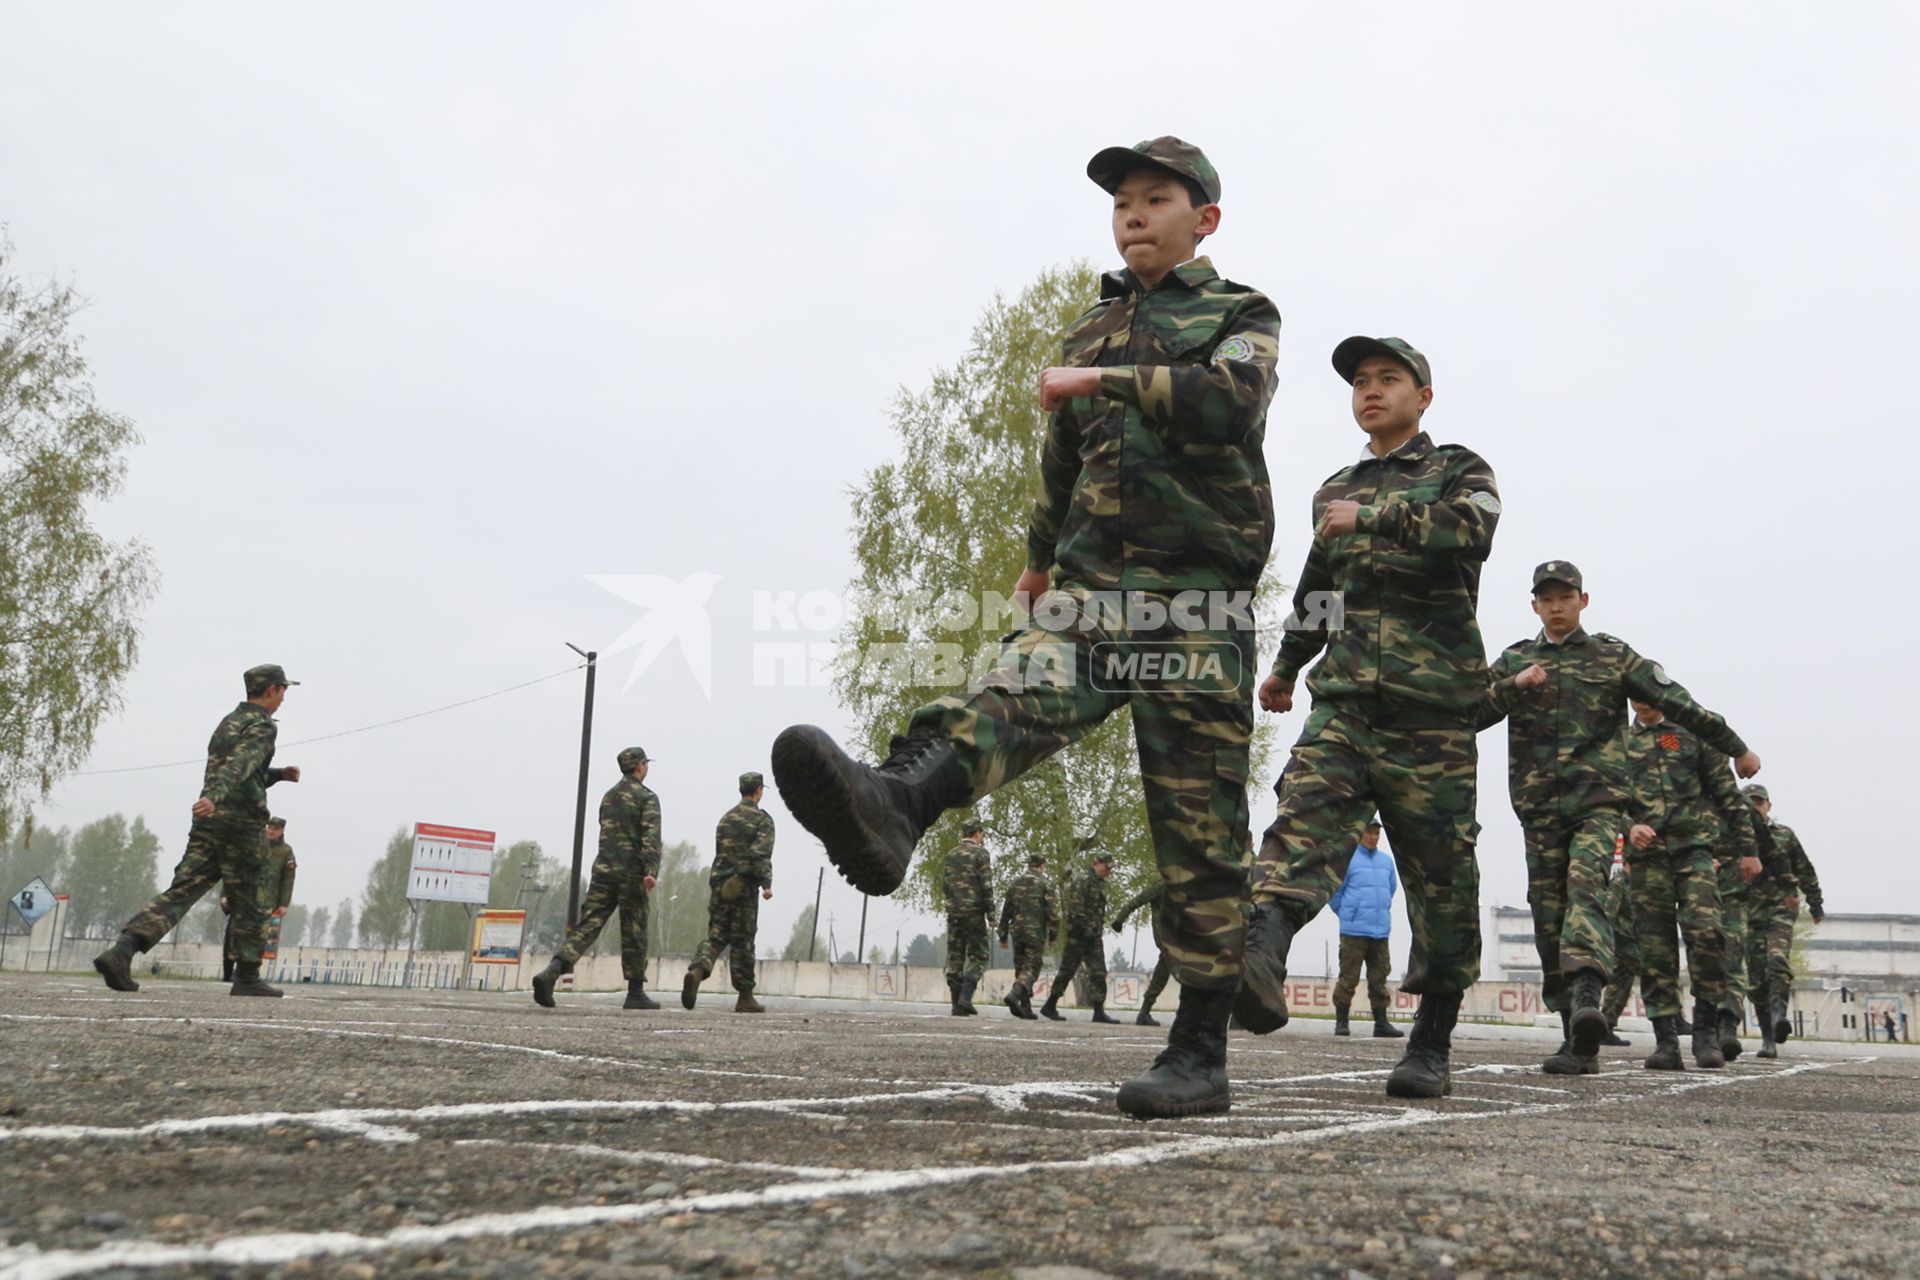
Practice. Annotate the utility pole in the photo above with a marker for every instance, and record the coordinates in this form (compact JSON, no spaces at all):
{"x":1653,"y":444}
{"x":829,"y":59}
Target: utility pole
{"x":813,"y":935}
{"x":860,"y":949}
{"x":580,"y":802}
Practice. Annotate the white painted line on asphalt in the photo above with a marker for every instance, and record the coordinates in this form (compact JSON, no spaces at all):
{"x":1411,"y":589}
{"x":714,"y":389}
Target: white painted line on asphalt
{"x":620,"y":1155}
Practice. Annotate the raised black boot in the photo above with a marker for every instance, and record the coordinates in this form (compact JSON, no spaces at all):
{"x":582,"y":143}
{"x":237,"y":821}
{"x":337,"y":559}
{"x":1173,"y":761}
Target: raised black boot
{"x":1564,"y":1061}
{"x":1189,"y":1078}
{"x":115,"y":964}
{"x":1666,"y":1045}
{"x":543,"y":982}
{"x":1782,"y":1025}
{"x":1587,"y":1028}
{"x":690,"y":986}
{"x":1384,"y":1030}
{"x":1706,"y":1037}
{"x":953,"y":990}
{"x":966,"y":997}
{"x":1426,"y":1070}
{"x":637,"y":997}
{"x":868,"y":818}
{"x":1100,"y":1013}
{"x":1260,"y":1005}
{"x":1340,"y":1027}
{"x":1051,"y":1009}
{"x":1730,"y":1034}
{"x":247,"y":982}
{"x":1020,"y":1000}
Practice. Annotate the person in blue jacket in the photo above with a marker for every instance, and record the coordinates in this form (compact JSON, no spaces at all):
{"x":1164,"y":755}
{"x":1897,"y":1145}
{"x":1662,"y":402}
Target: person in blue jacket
{"x":1364,"y":906}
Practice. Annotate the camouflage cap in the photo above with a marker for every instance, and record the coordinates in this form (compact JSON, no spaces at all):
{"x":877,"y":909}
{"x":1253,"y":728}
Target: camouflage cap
{"x":1755,"y":792}
{"x":1348,"y":355}
{"x":973,"y":827}
{"x":1557,"y":571}
{"x":631,"y":757}
{"x":1036,"y":859}
{"x":750,"y":782}
{"x":1109,"y":168}
{"x":263,"y":677}
{"x":276,"y":821}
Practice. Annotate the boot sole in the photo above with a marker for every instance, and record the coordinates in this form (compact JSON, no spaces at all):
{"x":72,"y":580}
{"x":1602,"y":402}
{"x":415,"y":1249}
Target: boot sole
{"x":1782,"y":1031}
{"x":1412,"y":1089}
{"x":1730,"y":1049}
{"x":269,"y":993}
{"x":543,"y":991}
{"x":817,"y":796}
{"x":629,"y":1004}
{"x":1150,"y":1109}
{"x":113,"y":976}
{"x":690,"y":991}
{"x":1588,"y":1031}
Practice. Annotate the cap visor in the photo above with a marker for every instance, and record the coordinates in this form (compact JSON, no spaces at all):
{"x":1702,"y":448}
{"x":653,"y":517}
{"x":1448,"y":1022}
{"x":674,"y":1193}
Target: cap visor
{"x":1348,"y":355}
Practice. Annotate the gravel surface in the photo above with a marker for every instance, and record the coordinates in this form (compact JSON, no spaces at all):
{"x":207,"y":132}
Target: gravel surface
{"x":353,"y":1132}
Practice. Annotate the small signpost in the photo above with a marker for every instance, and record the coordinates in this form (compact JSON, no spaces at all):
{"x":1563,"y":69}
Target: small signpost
{"x":499,"y":936}
{"x":30,"y":904}
{"x":450,"y":864}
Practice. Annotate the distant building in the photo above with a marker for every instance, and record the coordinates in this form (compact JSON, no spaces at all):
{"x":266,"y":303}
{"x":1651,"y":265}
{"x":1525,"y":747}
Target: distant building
{"x":1867,"y":949}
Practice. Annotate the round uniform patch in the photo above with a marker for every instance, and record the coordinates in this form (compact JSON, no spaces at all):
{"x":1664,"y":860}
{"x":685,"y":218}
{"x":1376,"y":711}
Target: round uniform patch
{"x":1486,"y":502}
{"x":1238,"y":347}
{"x":1660,"y":674}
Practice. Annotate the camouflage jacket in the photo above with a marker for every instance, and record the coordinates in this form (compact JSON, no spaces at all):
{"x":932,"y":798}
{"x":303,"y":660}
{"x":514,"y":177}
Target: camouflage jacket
{"x":1684,"y":791}
{"x":966,"y":883}
{"x":240,"y":767}
{"x":1566,"y":740}
{"x":743,"y":846}
{"x":1147,"y":896}
{"x":1159,"y":483}
{"x":1086,"y":903}
{"x":1775,"y":880}
{"x":280,"y":868}
{"x":1799,"y":865}
{"x":1408,"y":648}
{"x":1029,"y":913}
{"x":630,"y":827}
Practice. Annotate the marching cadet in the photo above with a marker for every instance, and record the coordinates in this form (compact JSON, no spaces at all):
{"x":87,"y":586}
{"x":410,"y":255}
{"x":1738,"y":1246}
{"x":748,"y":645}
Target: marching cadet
{"x":966,"y":882}
{"x":1162,"y":967}
{"x":1086,"y":918}
{"x":1027,"y":920}
{"x":276,"y":887}
{"x":1774,"y":906}
{"x":742,"y":875}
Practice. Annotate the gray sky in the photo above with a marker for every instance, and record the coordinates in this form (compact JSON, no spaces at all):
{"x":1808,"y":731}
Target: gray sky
{"x":429,"y":312}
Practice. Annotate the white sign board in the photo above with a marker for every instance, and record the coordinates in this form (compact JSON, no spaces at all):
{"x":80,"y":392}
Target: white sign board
{"x":33,"y":901}
{"x":450,"y":864}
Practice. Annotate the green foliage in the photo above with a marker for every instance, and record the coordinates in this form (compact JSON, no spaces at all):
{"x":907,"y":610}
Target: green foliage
{"x":927,"y":951}
{"x":69,"y":597}
{"x":946,"y":522}
{"x":384,"y":918}
{"x":805,"y":939}
{"x":318,"y":925}
{"x":344,"y":925}
{"x":677,"y":914}
{"x":110,"y":873}
{"x":293,"y":926}
{"x":526,"y":879}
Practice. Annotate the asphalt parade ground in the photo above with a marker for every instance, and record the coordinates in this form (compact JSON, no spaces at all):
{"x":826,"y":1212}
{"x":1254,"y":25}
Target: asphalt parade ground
{"x":368,"y":1132}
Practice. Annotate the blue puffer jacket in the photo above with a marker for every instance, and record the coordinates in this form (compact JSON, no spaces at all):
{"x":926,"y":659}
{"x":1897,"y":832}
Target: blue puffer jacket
{"x":1364,"y":902}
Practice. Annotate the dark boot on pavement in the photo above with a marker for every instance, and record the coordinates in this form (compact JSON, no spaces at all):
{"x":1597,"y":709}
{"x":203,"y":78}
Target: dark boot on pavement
{"x":1730,"y":1047}
{"x":115,"y":964}
{"x":1051,"y":1009}
{"x":966,"y":997}
{"x":1260,"y":1005}
{"x":953,"y":990}
{"x":1145,"y":1017}
{"x":637,"y":997}
{"x":543,"y":982}
{"x":690,"y":986}
{"x":1564,"y":1061}
{"x":1769,"y":1048}
{"x":1384,"y":1030}
{"x":1666,"y":1045}
{"x":1426,"y":1070}
{"x":1587,"y":1028}
{"x":1614,"y":1039}
{"x":1340,"y":1027}
{"x":1100,"y":1014}
{"x":1782,"y":1025}
{"x":868,"y":818}
{"x":247,"y":982}
{"x":1681,"y":1025}
{"x":745,"y":1003}
{"x":1189,"y":1078}
{"x":1706,"y":1037}
{"x":1020,"y":1000}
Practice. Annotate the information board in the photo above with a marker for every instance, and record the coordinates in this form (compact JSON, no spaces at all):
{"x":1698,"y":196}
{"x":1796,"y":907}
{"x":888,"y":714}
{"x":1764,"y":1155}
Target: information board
{"x":498,"y":937}
{"x":450,"y":864}
{"x":33,"y":901}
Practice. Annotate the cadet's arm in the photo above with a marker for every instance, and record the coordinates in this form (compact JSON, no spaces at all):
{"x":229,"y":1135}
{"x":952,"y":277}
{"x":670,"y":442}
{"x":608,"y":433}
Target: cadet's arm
{"x":1223,"y":401}
{"x":1059,"y":469}
{"x":1673,"y":700}
{"x":1716,"y":776}
{"x":1305,"y":631}
{"x":763,"y":853}
{"x":1803,"y":872}
{"x":1503,"y":691}
{"x":1460,"y":523}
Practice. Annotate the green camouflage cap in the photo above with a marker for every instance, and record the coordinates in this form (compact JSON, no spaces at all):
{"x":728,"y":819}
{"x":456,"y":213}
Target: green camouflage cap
{"x":276,"y":821}
{"x":1755,"y":792}
{"x":631,"y":757}
{"x":1109,"y":168}
{"x":1557,"y":571}
{"x":750,"y":782}
{"x":1348,"y":355}
{"x":263,"y":677}
{"x":1036,"y":859}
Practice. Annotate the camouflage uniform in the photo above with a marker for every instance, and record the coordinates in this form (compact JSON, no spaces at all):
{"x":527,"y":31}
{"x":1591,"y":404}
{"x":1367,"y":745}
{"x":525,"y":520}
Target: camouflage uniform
{"x":1687,"y":794}
{"x":742,"y":867}
{"x":1156,"y":487}
{"x":230,"y":845}
{"x":275,"y":890}
{"x":1734,"y":899}
{"x":629,"y":852}
{"x":967,"y":885}
{"x":1626,"y":956}
{"x":1027,"y":919}
{"x":1162,"y":968}
{"x":1085,"y":938}
{"x":1568,"y":780}
{"x":1787,"y":875}
{"x":1393,"y":701}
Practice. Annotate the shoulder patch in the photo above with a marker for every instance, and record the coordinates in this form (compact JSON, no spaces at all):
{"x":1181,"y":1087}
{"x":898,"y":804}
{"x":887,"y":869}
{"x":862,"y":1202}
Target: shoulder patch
{"x":1485,"y":501}
{"x":1660,"y":675}
{"x":1237,"y":347}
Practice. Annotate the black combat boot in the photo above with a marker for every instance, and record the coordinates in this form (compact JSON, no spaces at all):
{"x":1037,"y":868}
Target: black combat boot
{"x":1614,"y":1039}
{"x":1564,"y":1061}
{"x":745,"y":1003}
{"x":953,"y":990}
{"x":1768,"y":1047}
{"x":1681,"y":1024}
{"x":1100,"y":1013}
{"x":1730,"y":1034}
{"x":1666,"y":1045}
{"x":1189,"y":1078}
{"x":637,"y":997}
{"x":1260,"y":1005}
{"x":1782,"y":1025}
{"x":966,"y":997}
{"x":1425,"y":1070}
{"x":115,"y":964}
{"x":690,"y":986}
{"x":1384,"y":1030}
{"x":868,"y":818}
{"x":1145,"y":1017}
{"x":1706,"y":1037}
{"x":1587,"y":1028}
{"x":247,"y":982}
{"x":1340,"y":1027}
{"x":543,"y":982}
{"x":1051,"y":1009}
{"x":1020,"y":1000}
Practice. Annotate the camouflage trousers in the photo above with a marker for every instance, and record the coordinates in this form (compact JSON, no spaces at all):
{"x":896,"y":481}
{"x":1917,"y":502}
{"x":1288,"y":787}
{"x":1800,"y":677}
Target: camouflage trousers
{"x":216,"y":852}
{"x":731,"y":928}
{"x":1053,"y":684}
{"x":1626,"y":956}
{"x":1374,"y":953}
{"x":1567,"y":863}
{"x":1162,"y":970}
{"x":1733,"y":934}
{"x":1769,"y":947}
{"x":612,"y":887}
{"x":967,"y":950}
{"x":1029,"y":953}
{"x":1344,"y":767}
{"x":1676,"y":895}
{"x":1084,"y":948}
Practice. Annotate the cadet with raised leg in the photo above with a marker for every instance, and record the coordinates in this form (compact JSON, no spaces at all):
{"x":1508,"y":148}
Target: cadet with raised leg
{"x":966,"y":882}
{"x":623,"y":876}
{"x":742,"y":875}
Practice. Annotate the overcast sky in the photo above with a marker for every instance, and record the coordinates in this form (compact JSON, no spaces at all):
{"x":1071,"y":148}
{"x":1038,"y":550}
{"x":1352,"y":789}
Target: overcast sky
{"x":432,"y":313}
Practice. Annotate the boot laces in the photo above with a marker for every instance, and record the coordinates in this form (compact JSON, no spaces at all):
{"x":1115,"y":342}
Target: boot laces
{"x":907,"y":751}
